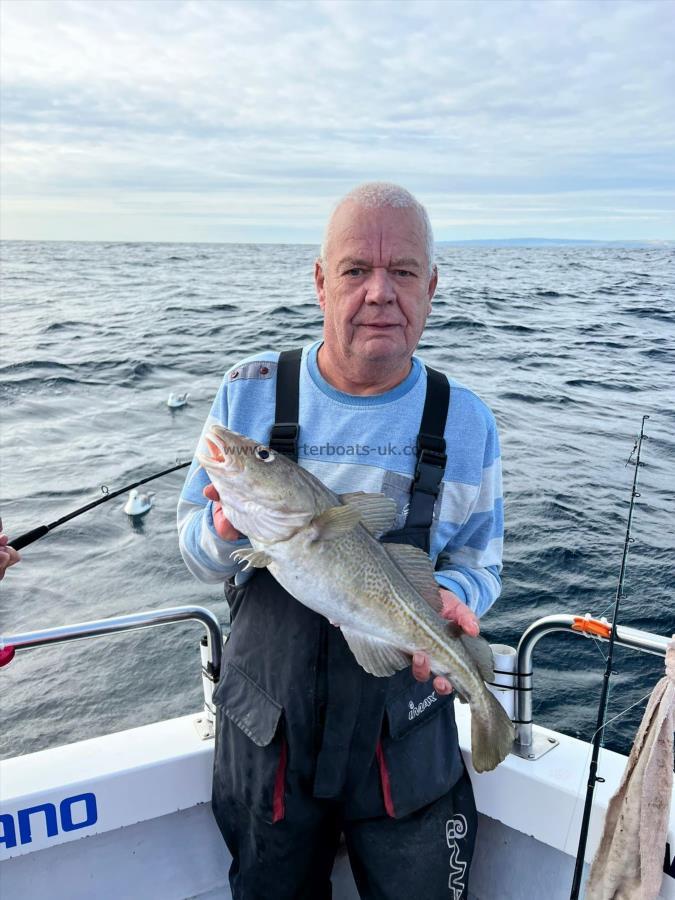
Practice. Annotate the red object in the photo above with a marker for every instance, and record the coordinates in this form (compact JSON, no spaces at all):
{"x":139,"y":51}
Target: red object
{"x":7,"y":655}
{"x":264,"y":370}
{"x":279,"y":802}
{"x":384,"y":780}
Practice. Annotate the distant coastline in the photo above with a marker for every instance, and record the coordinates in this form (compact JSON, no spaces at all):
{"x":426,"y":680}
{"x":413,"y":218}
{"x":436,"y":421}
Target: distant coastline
{"x":554,"y":242}
{"x":655,"y":244}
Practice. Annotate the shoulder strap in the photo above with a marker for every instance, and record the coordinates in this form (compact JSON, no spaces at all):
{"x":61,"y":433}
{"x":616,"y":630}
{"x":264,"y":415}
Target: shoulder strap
{"x":431,"y":456}
{"x":284,"y":434}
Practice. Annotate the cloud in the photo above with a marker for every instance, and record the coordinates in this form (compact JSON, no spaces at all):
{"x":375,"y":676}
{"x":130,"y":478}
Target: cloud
{"x":268,"y":111}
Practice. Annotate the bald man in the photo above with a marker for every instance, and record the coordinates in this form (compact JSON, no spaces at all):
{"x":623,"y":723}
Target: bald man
{"x":309,"y":745}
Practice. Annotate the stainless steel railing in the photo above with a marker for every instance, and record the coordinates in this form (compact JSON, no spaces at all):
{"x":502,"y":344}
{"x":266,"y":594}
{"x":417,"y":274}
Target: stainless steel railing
{"x":585,"y":626}
{"x":211,"y":644}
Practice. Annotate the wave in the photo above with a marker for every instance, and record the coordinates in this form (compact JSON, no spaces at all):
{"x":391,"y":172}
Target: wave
{"x":202,"y":310}
{"x":650,"y":312}
{"x":51,"y":371}
{"x":549,"y":399}
{"x":517,"y":329}
{"x":68,"y":323}
{"x":456,"y":323}
{"x":603,"y":385}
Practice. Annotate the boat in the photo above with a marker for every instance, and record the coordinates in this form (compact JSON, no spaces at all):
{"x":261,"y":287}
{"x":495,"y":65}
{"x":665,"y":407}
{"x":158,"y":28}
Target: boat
{"x":128,"y":814}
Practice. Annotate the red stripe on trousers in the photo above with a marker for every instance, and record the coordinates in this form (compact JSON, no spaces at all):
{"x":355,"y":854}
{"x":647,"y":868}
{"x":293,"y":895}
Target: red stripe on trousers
{"x":279,"y":802}
{"x":384,"y":780}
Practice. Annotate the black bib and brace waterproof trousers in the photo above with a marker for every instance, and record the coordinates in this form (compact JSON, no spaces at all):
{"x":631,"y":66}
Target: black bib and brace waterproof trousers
{"x":309,"y":745}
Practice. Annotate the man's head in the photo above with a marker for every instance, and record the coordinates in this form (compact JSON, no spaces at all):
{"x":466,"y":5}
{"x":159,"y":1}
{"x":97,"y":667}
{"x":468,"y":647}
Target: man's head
{"x":376,"y":276}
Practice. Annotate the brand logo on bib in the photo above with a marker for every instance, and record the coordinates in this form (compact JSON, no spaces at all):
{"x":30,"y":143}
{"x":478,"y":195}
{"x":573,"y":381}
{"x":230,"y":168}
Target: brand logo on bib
{"x":415,"y":710}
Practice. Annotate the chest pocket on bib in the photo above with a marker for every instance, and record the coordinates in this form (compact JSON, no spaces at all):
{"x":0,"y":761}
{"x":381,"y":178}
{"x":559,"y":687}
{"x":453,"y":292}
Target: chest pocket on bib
{"x":419,"y":757}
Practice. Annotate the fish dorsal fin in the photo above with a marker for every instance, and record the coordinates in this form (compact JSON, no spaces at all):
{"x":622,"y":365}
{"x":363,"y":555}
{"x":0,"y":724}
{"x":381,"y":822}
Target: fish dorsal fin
{"x":335,"y":522}
{"x":374,"y":655}
{"x":377,"y":511}
{"x":479,"y":650}
{"x":418,"y":569}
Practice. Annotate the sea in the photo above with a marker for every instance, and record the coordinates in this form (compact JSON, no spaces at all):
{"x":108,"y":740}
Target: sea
{"x":570,"y":346}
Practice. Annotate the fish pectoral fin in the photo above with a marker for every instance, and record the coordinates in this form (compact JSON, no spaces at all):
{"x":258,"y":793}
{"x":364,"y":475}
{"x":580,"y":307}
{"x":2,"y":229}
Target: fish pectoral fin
{"x":375,"y":656}
{"x":336,"y":522}
{"x":377,"y":511}
{"x":419,"y":570}
{"x":254,"y":559}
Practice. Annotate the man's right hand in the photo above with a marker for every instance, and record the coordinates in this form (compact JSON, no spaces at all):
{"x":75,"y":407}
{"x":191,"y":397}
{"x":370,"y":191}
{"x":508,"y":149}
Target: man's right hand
{"x":224,"y":528}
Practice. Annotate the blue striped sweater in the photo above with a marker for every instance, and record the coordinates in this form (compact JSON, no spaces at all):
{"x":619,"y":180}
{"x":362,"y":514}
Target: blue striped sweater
{"x":367,"y":443}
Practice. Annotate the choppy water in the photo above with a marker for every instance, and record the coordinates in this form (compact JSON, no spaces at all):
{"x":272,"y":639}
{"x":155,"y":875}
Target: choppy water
{"x":569,"y":346}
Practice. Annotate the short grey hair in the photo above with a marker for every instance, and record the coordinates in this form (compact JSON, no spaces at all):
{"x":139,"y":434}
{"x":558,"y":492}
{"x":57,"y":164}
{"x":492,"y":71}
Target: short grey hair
{"x":379,"y":194}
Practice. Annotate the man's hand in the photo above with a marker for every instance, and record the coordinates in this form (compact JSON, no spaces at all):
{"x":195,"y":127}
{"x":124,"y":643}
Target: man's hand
{"x":224,"y":528}
{"x":454,"y":611}
{"x":8,"y":555}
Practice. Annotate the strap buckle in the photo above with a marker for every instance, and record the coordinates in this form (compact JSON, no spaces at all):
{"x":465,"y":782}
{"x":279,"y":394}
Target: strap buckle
{"x":284,"y":437}
{"x":431,"y":460}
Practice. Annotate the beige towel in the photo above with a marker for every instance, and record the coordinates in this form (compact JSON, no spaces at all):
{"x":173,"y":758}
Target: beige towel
{"x":629,"y":862}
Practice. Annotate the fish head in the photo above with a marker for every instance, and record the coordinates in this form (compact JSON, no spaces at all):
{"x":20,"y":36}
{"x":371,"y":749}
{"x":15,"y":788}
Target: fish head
{"x":263,"y":494}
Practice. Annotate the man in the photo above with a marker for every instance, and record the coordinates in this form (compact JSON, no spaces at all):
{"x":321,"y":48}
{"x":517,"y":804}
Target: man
{"x":308,"y":745}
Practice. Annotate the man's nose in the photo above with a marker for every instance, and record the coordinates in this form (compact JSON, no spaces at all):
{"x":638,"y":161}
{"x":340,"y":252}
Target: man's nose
{"x":380,"y":287}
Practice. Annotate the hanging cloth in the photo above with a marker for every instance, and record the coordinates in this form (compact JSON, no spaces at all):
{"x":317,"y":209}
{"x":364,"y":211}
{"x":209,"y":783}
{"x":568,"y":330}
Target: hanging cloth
{"x":628,"y":864}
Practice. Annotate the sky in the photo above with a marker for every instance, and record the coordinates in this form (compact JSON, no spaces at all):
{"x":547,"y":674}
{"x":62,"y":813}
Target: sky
{"x":210,"y":120}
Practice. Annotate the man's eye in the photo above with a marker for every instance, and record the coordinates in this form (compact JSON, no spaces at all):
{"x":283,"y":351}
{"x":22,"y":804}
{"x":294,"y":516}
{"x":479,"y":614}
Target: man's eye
{"x":355,"y":271}
{"x":404,"y":273}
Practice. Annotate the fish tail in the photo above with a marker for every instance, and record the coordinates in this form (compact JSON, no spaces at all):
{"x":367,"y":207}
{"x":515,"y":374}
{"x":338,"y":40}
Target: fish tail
{"x":492,"y":734}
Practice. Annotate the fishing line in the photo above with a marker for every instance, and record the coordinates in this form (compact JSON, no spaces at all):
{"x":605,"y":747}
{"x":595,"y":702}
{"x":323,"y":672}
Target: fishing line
{"x":624,"y":711}
{"x":577,"y":792}
{"x":23,"y":540}
{"x":599,"y":648}
{"x":598,"y":735}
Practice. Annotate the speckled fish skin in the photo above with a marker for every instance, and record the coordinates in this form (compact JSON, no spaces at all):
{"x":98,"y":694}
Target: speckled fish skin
{"x":298,"y":528}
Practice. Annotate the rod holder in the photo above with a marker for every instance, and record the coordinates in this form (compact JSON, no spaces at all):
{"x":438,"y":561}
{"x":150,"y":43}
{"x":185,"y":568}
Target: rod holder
{"x":526,"y":745}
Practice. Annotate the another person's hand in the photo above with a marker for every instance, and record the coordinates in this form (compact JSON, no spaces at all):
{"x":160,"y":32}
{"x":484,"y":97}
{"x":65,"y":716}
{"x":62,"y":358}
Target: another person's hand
{"x":8,"y":555}
{"x":224,"y":528}
{"x":454,"y":611}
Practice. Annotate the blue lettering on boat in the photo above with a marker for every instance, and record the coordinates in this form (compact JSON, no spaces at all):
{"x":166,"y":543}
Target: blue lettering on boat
{"x":78,"y":811}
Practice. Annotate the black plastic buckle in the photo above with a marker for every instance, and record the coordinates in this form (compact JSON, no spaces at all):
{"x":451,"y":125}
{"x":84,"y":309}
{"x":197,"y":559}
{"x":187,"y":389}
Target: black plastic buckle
{"x":431,"y":460}
{"x":284,"y":438}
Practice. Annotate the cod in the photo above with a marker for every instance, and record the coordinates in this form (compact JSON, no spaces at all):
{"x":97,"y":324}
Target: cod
{"x":322,"y":548}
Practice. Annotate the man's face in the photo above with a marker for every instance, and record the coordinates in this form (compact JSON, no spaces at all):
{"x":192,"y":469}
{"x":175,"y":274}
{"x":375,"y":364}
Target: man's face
{"x":374,"y":286}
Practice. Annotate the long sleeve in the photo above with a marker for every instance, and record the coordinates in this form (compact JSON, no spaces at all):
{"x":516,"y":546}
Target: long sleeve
{"x":205,"y":554}
{"x":471,"y":562}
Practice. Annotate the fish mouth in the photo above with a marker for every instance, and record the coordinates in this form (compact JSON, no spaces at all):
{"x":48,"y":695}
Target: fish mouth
{"x":223,"y":453}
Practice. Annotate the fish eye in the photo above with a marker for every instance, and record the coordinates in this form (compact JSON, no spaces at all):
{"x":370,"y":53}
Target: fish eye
{"x":264,"y":454}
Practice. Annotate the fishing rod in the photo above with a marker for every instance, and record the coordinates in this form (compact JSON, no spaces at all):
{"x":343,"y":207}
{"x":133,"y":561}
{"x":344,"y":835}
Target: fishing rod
{"x":598,"y":737}
{"x":36,"y":533}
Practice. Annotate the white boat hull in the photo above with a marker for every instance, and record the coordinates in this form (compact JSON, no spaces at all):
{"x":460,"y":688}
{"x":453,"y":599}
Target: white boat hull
{"x":148,"y":832}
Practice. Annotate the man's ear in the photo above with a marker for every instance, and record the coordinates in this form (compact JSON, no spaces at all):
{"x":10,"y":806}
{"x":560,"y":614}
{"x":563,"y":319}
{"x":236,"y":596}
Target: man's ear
{"x":320,"y":283}
{"x":433,"y":283}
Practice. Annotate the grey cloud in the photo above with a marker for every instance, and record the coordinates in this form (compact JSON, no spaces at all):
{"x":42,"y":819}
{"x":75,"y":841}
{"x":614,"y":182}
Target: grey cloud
{"x":479,"y":98}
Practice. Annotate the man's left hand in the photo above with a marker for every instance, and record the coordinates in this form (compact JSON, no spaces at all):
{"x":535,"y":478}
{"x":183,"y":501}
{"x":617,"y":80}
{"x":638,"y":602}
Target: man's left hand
{"x":454,"y":611}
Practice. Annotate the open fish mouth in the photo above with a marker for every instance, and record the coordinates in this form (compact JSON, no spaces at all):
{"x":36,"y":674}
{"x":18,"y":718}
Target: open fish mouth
{"x":222,"y":455}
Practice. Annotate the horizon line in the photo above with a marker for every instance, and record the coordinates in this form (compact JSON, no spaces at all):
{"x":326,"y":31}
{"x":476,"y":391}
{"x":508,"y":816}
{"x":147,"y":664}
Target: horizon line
{"x":446,"y":241}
